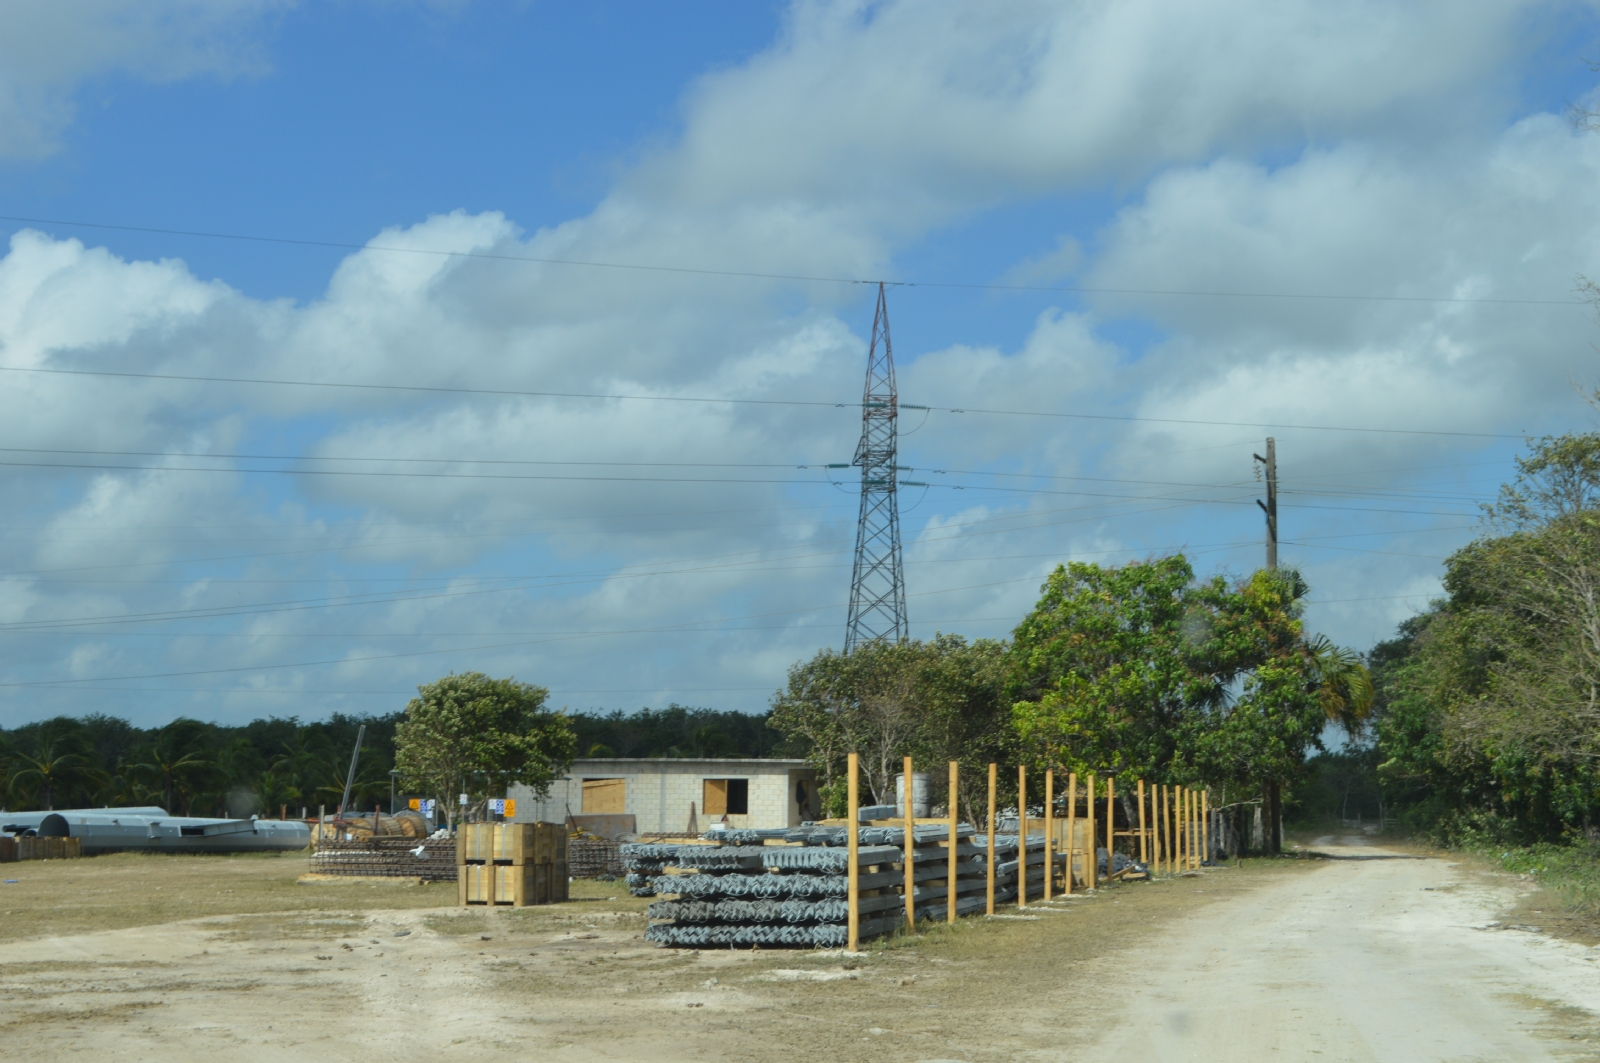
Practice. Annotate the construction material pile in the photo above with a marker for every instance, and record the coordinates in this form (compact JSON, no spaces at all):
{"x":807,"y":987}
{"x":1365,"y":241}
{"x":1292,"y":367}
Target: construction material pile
{"x":429,"y":859}
{"x":511,"y":863}
{"x":591,"y":857}
{"x":790,"y":886}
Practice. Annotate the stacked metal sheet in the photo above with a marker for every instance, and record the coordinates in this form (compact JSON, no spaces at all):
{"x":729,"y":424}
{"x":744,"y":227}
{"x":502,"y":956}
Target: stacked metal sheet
{"x":792,"y":890}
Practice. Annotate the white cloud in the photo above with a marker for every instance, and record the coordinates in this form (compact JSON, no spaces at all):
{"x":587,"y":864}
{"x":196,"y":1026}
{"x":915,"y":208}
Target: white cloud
{"x":49,"y":50}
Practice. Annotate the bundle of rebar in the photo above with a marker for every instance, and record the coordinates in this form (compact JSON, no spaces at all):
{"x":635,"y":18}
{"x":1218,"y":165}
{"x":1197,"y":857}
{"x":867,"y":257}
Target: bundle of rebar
{"x":589,"y":857}
{"x":390,"y":857}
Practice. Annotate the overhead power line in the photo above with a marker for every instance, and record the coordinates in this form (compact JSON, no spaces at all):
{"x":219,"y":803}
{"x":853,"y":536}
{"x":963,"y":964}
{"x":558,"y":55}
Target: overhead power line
{"x":716,"y":400}
{"x":798,"y":277}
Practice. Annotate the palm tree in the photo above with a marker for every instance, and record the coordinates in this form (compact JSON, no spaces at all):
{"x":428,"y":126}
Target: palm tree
{"x":304,"y":760}
{"x":1344,"y":686}
{"x":274,"y":790}
{"x":52,"y":771}
{"x":171,"y":765}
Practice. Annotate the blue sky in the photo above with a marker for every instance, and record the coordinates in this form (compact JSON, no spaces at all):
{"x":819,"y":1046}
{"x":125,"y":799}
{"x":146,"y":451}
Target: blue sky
{"x":185,"y":555}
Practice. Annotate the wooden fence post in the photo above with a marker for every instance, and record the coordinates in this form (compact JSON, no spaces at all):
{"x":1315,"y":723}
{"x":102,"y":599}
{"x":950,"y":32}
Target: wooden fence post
{"x":853,"y":842}
{"x":909,"y":863}
{"x":950,"y":890}
{"x":1169,"y":797}
{"x":1093,"y":870}
{"x":1194,"y":829}
{"x":1049,"y":829}
{"x":1022,"y":837}
{"x":1205,"y":825}
{"x":1111,"y":826}
{"x":1072,"y":826}
{"x":1177,"y":832}
{"x":1144,"y":847}
{"x":992,"y":770}
{"x":1155,"y":828}
{"x":1188,"y":828}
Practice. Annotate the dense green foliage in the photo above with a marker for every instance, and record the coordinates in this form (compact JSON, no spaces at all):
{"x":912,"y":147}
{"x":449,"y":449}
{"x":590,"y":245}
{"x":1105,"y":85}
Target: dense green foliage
{"x":194,"y":768}
{"x":475,"y":735}
{"x":211,"y":769}
{"x":1489,"y":703}
{"x":676,"y":731}
{"x":1139,"y":671}
{"x":935,"y":701}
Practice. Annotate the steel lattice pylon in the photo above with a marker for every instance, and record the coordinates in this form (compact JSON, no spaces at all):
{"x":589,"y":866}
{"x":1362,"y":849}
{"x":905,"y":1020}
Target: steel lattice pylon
{"x":878,"y":584}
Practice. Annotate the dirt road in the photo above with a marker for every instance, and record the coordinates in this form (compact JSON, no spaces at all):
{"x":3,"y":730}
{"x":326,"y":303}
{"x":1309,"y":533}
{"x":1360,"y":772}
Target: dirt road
{"x":1376,"y":955}
{"x":1366,"y":955}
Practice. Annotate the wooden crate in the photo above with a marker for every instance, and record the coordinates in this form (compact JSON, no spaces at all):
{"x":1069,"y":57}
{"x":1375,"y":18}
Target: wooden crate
{"x":511,"y":843}
{"x":475,"y":883}
{"x":49,"y":848}
{"x":512,"y":863}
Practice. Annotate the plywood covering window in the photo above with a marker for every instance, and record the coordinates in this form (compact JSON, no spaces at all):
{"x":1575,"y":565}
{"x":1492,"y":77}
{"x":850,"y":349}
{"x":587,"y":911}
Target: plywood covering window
{"x":604,"y":796}
{"x":727,"y":797}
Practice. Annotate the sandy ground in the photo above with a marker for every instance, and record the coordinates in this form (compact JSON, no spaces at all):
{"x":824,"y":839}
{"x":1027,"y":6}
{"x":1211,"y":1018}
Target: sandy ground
{"x":1376,"y":955}
{"x":1364,"y":955}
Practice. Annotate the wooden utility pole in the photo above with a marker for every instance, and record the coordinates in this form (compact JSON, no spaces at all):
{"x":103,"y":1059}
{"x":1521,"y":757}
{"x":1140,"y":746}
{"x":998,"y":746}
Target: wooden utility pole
{"x":1270,"y":506}
{"x":992,"y":780}
{"x":853,"y":853}
{"x":909,"y":863}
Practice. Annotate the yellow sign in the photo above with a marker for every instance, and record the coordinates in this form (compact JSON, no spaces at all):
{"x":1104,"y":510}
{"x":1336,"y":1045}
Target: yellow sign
{"x":416,"y":804}
{"x":511,"y":807}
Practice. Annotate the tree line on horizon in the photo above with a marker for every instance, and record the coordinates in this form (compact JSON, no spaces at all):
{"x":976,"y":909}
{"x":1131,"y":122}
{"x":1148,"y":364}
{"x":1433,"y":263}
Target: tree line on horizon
{"x":190,"y":767}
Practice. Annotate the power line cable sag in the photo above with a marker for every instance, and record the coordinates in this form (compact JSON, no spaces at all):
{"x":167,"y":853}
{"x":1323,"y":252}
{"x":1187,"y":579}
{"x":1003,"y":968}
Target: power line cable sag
{"x":802,"y":278}
{"x":509,"y":393}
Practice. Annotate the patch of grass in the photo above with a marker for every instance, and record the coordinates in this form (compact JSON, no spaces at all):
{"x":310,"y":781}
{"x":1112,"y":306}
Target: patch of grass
{"x":1570,"y":872}
{"x":121,"y":890}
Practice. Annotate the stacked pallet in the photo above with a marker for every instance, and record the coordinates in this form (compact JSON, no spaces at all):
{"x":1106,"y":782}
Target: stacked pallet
{"x":511,"y":863}
{"x":432,"y":859}
{"x":791,"y":887}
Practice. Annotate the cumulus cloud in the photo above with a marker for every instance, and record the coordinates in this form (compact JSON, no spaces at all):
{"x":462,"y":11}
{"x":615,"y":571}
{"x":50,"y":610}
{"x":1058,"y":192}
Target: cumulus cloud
{"x":48,"y":51}
{"x":670,"y":547}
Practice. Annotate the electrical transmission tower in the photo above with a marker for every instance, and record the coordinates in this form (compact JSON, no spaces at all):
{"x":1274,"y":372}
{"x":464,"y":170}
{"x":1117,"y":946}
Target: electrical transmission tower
{"x":878,"y":585}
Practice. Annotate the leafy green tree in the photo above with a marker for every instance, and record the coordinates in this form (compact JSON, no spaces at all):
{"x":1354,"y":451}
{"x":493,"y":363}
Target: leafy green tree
{"x":1488,"y":704}
{"x":1142,"y":671}
{"x":476,"y":735}
{"x":936,"y":701}
{"x":1104,"y":670}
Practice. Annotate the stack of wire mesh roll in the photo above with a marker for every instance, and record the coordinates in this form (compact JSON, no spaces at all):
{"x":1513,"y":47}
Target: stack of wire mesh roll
{"x":790,"y":886}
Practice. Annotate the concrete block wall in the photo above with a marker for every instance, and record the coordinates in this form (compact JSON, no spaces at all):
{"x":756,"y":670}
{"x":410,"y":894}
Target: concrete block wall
{"x":659,"y":790}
